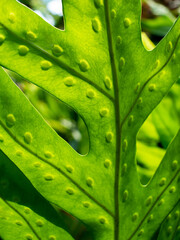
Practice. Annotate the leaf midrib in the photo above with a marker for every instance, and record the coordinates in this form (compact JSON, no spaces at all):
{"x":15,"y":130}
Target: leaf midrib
{"x":119,"y":126}
{"x":117,"y":119}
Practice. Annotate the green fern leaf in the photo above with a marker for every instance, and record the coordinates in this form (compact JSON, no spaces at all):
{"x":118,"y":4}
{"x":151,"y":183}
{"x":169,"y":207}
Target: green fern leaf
{"x":96,"y":66}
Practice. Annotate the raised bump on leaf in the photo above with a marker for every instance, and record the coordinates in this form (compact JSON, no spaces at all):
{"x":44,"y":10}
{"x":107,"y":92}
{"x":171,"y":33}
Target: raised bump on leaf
{"x":27,"y":210}
{"x":161,"y":202}
{"x":137,"y":87}
{"x":102,"y":220}
{"x":150,"y":218}
{"x":124,"y":169}
{"x":107,"y":163}
{"x":131,"y":120}
{"x":121,"y":63}
{"x":169,"y":217}
{"x":57,"y":50}
{"x":125,"y":196}
{"x":177,"y":214}
{"x":10,"y":120}
{"x":84,"y":65}
{"x":162,"y":182}
{"x":169,"y":46}
{"x":69,"y":168}
{"x":52,"y":237}
{"x":70,"y":191}
{"x":127,"y":22}
{"x":39,"y":223}
{"x":23,"y":50}
{"x":48,"y":154}
{"x":69,"y":81}
{"x":90,"y":93}
{"x":12,"y":17}
{"x":109,"y":137}
{"x":86,"y":204}
{"x":118,"y":41}
{"x":135,"y":216}
{"x":113,"y":13}
{"x":124,"y":145}
{"x":141,"y":232}
{"x":169,"y":230}
{"x":104,"y":112}
{"x":139,"y":101}
{"x":37,"y":164}
{"x":149,"y":201}
{"x":29,"y":237}
{"x":157,"y":63}
{"x":98,"y":3}
{"x":1,"y":138}
{"x":108,"y":83}
{"x":2,"y":38}
{"x":174,"y":57}
{"x":152,"y":87}
{"x":31,"y":36}
{"x":28,"y":137}
{"x":46,"y":65}
{"x":19,"y":223}
{"x":90,"y":182}
{"x":48,"y":177}
{"x":174,"y":165}
{"x":172,"y":189}
{"x":19,"y":153}
{"x":96,"y":25}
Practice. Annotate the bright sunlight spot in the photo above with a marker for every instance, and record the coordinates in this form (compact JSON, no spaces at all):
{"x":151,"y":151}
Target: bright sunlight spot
{"x":55,"y":7}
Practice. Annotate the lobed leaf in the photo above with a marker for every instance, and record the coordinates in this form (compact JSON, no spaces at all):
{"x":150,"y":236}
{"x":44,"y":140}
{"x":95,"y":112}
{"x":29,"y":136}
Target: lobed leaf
{"x":96,"y":65}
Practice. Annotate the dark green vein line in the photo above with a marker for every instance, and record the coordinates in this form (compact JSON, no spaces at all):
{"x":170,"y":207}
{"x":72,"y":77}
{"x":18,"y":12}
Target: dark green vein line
{"x":117,"y":119}
{"x":149,"y":79}
{"x":32,"y":229}
{"x":57,"y":168}
{"x":158,"y":198}
{"x":61,"y":64}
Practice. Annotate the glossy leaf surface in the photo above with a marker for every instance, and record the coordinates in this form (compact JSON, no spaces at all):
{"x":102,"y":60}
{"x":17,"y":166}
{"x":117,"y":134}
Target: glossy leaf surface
{"x":96,"y":66}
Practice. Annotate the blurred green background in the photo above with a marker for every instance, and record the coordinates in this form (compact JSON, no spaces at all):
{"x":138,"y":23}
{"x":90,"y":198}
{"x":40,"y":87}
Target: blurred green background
{"x":158,"y":130}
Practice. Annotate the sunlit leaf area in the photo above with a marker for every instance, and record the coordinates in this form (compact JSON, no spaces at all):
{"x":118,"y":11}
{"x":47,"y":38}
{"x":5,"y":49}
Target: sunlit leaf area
{"x":155,"y":135}
{"x":160,"y":127}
